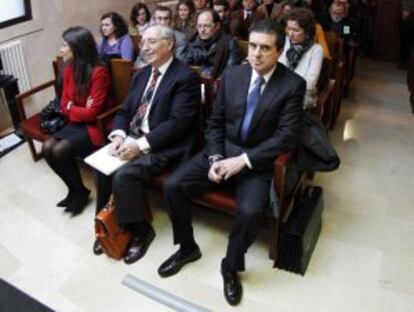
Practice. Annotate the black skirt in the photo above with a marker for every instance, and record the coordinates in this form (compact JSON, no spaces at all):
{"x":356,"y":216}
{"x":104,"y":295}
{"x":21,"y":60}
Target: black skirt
{"x":78,"y":137}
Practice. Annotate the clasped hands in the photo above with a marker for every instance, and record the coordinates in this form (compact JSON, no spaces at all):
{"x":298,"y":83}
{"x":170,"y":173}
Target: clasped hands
{"x":125,"y":151}
{"x":222,"y":170}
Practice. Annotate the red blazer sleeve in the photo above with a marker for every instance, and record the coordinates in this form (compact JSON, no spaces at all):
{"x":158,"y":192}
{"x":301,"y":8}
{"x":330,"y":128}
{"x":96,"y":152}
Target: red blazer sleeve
{"x":67,"y":90}
{"x":99,"y":92}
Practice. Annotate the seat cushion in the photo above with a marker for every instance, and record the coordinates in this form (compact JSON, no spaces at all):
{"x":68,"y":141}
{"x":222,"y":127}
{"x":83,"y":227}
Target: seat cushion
{"x":31,"y":128}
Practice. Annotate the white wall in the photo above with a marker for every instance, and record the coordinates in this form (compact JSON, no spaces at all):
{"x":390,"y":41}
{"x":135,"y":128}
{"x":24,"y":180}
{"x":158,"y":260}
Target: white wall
{"x":41,"y":38}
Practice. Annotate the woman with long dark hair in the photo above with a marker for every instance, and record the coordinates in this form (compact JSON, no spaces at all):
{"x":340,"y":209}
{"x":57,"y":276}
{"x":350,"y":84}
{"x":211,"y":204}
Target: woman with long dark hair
{"x":115,"y":38}
{"x":140,"y":18}
{"x":85,"y":94}
{"x":185,"y":19}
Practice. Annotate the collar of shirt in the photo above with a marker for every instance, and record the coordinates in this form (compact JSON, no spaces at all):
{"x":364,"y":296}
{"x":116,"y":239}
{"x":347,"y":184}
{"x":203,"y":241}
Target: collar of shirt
{"x":163,"y":68}
{"x":266,"y":78}
{"x":247,"y":13}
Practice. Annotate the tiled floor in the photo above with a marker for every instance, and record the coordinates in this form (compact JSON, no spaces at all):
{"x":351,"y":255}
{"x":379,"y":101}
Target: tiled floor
{"x":363,"y":260}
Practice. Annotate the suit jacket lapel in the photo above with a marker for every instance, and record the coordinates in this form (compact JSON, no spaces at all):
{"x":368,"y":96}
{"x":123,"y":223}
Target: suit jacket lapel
{"x":241,"y":96}
{"x":268,"y":95}
{"x":142,"y":83}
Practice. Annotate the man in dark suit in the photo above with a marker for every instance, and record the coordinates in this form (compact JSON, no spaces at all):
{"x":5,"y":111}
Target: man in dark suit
{"x":160,"y":113}
{"x":241,"y":20}
{"x":256,"y":117}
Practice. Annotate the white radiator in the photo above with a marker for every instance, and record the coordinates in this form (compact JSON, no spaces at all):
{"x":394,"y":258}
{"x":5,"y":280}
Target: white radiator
{"x":13,"y":63}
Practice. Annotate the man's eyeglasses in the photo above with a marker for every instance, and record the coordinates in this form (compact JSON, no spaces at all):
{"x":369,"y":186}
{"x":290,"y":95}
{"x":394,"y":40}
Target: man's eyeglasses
{"x":150,"y":42}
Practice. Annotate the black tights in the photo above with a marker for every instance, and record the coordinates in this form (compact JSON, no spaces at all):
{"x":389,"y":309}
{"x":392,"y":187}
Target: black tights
{"x":61,"y":157}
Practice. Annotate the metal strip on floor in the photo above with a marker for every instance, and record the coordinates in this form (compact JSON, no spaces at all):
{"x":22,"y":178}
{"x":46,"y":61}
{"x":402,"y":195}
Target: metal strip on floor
{"x":161,"y":296}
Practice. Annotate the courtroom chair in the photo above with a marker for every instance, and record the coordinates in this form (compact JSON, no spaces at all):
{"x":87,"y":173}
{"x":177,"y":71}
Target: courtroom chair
{"x":336,"y":49}
{"x":136,"y":40}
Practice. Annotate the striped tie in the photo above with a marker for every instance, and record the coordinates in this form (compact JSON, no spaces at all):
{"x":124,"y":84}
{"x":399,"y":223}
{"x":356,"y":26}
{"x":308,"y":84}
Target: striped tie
{"x":135,"y":125}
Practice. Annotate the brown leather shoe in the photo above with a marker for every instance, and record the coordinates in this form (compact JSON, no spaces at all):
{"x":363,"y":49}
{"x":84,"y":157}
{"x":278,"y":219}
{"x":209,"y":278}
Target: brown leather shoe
{"x":139,"y":247}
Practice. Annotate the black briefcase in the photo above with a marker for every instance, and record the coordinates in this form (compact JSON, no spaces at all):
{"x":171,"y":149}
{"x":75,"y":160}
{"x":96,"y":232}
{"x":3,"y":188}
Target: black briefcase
{"x":299,"y":235}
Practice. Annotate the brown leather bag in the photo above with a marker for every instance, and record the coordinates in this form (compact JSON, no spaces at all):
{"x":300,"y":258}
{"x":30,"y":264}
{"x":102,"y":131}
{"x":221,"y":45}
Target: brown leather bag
{"x":114,"y":239}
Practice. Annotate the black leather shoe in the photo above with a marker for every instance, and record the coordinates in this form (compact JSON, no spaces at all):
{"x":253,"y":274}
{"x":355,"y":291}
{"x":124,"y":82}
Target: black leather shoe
{"x":65,"y":202}
{"x":174,"y":263}
{"x":139,"y":247}
{"x":97,"y":248}
{"x":78,"y":202}
{"x":232,"y":287}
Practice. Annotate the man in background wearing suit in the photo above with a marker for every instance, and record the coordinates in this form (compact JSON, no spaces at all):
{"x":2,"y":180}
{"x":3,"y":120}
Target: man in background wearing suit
{"x":160,"y":112}
{"x":256,"y":117}
{"x":241,"y":20}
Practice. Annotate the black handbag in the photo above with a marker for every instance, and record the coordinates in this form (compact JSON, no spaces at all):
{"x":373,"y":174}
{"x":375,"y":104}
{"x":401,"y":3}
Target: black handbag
{"x":298,"y":237}
{"x":51,"y":118}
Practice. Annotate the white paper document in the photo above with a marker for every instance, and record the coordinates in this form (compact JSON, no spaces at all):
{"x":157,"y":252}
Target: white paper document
{"x":104,"y":162}
{"x":9,"y":141}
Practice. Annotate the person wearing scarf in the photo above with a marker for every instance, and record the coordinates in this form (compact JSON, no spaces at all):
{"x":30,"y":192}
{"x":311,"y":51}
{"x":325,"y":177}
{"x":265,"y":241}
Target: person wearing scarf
{"x":301,"y":53}
{"x":212,"y":49}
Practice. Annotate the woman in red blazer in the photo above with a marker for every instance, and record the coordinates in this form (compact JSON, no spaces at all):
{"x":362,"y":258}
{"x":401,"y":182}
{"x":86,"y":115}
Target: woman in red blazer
{"x":86,"y":93}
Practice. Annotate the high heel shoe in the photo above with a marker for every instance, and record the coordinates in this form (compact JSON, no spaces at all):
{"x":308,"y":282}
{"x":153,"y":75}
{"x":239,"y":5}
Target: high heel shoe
{"x":66,"y":201}
{"x":78,"y":202}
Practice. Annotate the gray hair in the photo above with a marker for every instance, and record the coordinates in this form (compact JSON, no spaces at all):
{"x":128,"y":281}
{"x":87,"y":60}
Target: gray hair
{"x":166,"y":32}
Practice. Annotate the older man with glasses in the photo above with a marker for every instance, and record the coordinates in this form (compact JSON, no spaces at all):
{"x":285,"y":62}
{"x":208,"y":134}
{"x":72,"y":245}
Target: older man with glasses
{"x":160,"y":114}
{"x":212,"y":49}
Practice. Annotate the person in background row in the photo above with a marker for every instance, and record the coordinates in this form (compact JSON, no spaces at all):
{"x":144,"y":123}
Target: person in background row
{"x":406,"y":31}
{"x":163,"y":16}
{"x":235,"y":5}
{"x":338,"y":21}
{"x":222,"y":9}
{"x":212,"y":49}
{"x":242,"y":19}
{"x":86,"y":94}
{"x":288,"y":5}
{"x":269,"y":9}
{"x":200,"y":5}
{"x":301,"y":53}
{"x":160,"y":113}
{"x":256,"y":117}
{"x":140,"y":18}
{"x":184,"y":18}
{"x":115,"y":41}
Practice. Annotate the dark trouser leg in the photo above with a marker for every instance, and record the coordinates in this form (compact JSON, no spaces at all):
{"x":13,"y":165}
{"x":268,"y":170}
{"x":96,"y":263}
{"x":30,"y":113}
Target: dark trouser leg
{"x":103,"y":185}
{"x":252,"y":197}
{"x":186,"y":182}
{"x":130,"y":195}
